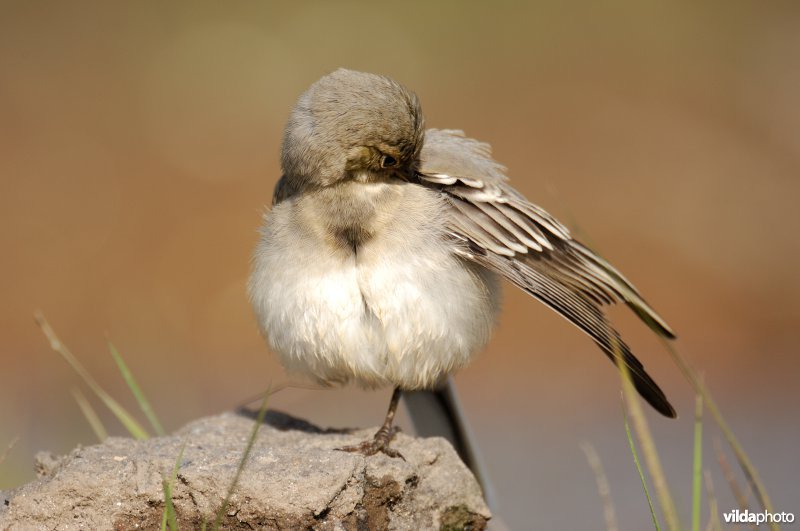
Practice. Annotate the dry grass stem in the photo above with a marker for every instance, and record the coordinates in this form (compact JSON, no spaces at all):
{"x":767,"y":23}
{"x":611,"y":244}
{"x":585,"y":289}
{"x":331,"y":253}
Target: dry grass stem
{"x":603,"y":487}
{"x":649,"y":450}
{"x":134,"y":428}
{"x":91,"y":415}
{"x":8,"y":449}
{"x":714,"y":523}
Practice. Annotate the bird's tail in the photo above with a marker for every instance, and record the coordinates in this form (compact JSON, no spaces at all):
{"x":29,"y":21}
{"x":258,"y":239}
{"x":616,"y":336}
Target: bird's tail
{"x":438,"y":413}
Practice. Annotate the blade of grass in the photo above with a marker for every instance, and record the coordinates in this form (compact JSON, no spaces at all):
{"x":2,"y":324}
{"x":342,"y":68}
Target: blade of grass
{"x":134,"y":428}
{"x":91,"y":415}
{"x":603,"y":487}
{"x":727,"y":472}
{"x":639,"y":469}
{"x":164,"y":514}
{"x":649,"y":450}
{"x":730,"y":478}
{"x":746,"y":465}
{"x":141,"y":399}
{"x":274,"y":389}
{"x":714,"y":523}
{"x":242,"y":462}
{"x":697,"y":462}
{"x":8,"y":449}
{"x":169,"y":517}
{"x":753,"y":478}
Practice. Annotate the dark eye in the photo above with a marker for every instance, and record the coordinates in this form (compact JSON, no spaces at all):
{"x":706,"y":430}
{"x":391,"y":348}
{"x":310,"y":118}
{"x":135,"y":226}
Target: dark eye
{"x":388,"y":161}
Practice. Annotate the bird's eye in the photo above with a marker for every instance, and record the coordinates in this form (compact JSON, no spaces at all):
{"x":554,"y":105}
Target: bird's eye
{"x":388,"y":161}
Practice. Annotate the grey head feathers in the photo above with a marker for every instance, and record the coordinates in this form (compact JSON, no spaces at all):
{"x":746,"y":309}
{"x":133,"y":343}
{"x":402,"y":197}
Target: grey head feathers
{"x":350,"y":122}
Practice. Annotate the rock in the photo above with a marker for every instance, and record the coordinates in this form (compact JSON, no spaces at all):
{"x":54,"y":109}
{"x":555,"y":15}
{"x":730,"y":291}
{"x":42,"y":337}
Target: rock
{"x":294,"y":479}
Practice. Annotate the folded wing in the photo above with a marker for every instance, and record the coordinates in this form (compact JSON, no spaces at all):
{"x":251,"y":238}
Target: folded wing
{"x":498,"y":228}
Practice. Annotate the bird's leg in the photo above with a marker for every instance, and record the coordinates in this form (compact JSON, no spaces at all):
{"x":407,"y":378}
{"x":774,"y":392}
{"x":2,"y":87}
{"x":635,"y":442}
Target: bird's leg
{"x":380,"y":442}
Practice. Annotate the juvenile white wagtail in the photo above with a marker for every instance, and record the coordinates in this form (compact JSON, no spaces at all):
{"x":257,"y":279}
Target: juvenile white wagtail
{"x":379,"y":262}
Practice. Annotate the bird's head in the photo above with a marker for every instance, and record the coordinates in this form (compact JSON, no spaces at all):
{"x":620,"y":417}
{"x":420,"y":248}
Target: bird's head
{"x":349,"y":125}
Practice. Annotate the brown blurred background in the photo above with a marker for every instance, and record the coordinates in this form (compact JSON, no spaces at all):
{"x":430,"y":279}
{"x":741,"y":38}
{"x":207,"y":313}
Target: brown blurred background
{"x":138,"y":148}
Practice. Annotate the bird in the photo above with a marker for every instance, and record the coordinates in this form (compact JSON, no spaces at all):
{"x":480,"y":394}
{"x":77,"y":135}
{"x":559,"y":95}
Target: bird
{"x":380,"y":260}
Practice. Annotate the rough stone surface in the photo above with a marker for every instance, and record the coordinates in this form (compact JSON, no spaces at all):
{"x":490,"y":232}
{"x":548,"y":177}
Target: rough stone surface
{"x":294,"y":479}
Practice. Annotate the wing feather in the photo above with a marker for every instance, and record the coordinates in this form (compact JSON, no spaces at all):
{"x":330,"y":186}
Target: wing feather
{"x":488,"y":225}
{"x":526,"y":223}
{"x":501,"y":230}
{"x":586,"y":316}
{"x":521,"y":232}
{"x":477,"y":233}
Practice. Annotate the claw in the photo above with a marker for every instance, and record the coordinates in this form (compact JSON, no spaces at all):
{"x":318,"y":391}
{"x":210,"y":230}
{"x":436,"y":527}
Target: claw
{"x":379,"y":443}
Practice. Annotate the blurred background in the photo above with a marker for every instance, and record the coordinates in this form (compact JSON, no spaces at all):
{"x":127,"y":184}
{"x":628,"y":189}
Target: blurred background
{"x":139,"y":147}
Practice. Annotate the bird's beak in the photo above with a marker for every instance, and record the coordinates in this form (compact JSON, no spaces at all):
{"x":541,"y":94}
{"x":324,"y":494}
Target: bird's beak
{"x":406,"y":174}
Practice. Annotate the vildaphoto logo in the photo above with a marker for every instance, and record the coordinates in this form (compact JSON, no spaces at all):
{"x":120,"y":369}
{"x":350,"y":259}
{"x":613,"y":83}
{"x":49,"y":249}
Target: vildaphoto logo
{"x":764,"y":517}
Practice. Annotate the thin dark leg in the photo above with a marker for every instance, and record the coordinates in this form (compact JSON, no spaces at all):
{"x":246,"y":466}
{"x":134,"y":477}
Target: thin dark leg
{"x":380,"y":442}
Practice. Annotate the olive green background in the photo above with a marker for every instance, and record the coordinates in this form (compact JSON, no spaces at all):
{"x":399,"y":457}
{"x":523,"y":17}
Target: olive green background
{"x":139,"y":146}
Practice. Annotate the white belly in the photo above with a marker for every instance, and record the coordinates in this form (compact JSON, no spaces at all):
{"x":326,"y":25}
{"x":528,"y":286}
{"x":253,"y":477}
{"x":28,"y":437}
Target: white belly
{"x":402,"y":311}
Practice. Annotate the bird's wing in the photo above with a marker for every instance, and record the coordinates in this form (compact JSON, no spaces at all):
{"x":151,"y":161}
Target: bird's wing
{"x":498,"y":228}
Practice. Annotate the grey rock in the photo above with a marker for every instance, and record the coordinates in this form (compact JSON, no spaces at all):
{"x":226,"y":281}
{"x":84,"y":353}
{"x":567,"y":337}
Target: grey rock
{"x":294,"y":479}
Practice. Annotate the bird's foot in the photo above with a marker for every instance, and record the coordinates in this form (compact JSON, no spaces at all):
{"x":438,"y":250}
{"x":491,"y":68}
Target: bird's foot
{"x":379,"y":443}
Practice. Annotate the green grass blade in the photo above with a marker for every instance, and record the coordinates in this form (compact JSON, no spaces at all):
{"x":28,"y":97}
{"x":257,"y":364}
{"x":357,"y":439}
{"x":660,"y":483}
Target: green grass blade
{"x":141,"y":399}
{"x":649,"y":451}
{"x":746,"y":465}
{"x":169,"y":518}
{"x":134,"y":428}
{"x":639,"y":469}
{"x":697,"y":463}
{"x":242,"y":462}
{"x":91,"y":415}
